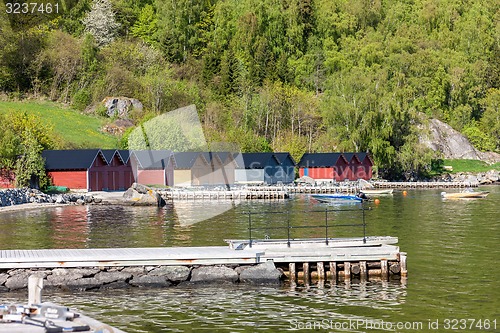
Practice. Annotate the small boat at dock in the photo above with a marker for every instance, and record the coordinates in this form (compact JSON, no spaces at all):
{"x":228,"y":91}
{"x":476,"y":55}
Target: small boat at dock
{"x":464,"y":195}
{"x":378,"y":192}
{"x":337,"y":198}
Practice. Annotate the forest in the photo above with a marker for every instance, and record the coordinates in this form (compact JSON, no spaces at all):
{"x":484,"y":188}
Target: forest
{"x":271,"y":75}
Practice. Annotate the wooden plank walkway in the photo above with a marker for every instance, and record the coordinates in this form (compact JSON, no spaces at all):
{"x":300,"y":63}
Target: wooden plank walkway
{"x":314,"y":250}
{"x":225,"y":195}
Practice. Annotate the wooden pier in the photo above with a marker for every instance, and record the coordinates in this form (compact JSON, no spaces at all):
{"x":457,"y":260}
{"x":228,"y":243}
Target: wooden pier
{"x":225,"y":195}
{"x":342,"y":258}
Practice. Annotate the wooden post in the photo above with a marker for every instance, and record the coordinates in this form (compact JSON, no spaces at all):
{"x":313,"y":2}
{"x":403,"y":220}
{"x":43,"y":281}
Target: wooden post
{"x":321,"y":270}
{"x":35,"y":286}
{"x":333,"y":271}
{"x":402,"y":263}
{"x":293,"y":272}
{"x":384,"y":270}
{"x":362,"y":270}
{"x":347,"y":270}
{"x":307,"y":275}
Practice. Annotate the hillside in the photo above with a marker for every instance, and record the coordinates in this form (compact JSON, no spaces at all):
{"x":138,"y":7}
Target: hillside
{"x":74,"y":130}
{"x":297,"y":76}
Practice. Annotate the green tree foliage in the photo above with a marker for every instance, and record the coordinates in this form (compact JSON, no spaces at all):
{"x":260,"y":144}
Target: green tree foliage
{"x":296,"y":75}
{"x":22,"y":140}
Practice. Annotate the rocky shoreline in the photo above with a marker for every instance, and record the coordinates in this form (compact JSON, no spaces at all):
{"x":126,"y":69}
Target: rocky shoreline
{"x":101,"y":278}
{"x":482,"y":178}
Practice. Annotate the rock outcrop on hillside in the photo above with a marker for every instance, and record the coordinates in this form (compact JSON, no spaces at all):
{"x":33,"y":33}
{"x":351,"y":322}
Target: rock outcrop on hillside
{"x":452,"y":144}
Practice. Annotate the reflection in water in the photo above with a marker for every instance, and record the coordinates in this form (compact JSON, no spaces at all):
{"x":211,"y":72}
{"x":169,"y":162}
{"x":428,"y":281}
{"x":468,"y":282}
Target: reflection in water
{"x":232,"y":308}
{"x":191,"y":212}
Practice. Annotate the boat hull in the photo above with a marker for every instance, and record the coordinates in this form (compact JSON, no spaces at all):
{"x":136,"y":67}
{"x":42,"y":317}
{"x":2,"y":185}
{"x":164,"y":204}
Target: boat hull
{"x":337,"y":198}
{"x":464,"y":195}
{"x":377,"y":192}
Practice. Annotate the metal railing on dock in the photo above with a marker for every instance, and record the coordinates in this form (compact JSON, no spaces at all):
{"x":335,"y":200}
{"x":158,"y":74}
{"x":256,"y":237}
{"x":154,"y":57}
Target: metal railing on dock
{"x":327,"y":225}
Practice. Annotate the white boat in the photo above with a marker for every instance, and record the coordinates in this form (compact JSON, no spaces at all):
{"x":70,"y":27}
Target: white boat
{"x":464,"y":195}
{"x":377,"y":192}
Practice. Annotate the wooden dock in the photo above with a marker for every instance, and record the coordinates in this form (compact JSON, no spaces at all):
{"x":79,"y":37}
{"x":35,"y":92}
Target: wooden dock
{"x":225,"y":195}
{"x":377,"y":256}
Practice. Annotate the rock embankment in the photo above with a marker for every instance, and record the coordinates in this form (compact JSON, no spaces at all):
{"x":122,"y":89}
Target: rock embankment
{"x":96,"y":278}
{"x":18,"y":196}
{"x":481,"y":178}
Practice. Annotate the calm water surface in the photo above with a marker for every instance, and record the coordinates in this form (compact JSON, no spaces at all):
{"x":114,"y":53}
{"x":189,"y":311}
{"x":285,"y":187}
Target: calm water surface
{"x":452,"y":247}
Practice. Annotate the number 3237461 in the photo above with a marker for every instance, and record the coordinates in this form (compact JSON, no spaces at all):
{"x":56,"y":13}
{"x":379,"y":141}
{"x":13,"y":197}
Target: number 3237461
{"x":31,"y":8}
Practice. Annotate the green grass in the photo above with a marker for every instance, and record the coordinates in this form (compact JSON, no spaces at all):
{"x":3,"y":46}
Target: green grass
{"x":471,"y":166}
{"x":76,"y":130}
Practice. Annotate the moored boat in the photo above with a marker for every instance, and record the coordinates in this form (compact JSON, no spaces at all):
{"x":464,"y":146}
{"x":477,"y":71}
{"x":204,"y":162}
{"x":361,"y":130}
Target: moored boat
{"x":377,"y":192}
{"x":464,"y":195}
{"x":337,"y":198}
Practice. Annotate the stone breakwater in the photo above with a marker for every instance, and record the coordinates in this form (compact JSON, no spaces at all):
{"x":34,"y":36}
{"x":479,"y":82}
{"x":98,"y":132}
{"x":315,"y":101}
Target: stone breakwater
{"x":481,"y":178}
{"x":18,"y":196}
{"x":102,"y":278}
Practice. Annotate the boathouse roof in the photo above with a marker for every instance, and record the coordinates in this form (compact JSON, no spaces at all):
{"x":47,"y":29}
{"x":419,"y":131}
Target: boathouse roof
{"x":256,"y":160}
{"x":325,"y":160}
{"x":282,"y":157}
{"x":151,"y":159}
{"x":75,"y":159}
{"x":184,"y":160}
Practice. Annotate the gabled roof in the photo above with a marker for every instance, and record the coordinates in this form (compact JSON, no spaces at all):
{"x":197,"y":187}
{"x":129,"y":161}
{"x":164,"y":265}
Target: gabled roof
{"x":151,"y":159}
{"x":350,"y":156}
{"x":124,"y":155}
{"x":109,"y":154}
{"x":324,"y":160}
{"x":77,"y":159}
{"x":363,"y":156}
{"x":185,"y":160}
{"x":256,"y":160}
{"x":283,"y":156}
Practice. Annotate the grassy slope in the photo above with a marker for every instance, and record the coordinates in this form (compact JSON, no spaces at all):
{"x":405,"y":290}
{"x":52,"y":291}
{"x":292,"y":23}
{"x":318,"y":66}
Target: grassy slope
{"x":75,"y":129}
{"x":471,"y":166}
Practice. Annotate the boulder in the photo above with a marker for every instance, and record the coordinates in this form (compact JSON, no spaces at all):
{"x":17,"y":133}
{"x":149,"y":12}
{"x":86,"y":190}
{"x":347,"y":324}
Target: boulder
{"x":213,"y":274}
{"x":172,"y":273}
{"x":140,"y":195}
{"x":108,"y":277}
{"x":62,"y":279}
{"x":84,"y":284}
{"x":262,"y":273}
{"x":150,"y":281}
{"x":121,"y":106}
{"x":3,"y":278}
{"x":17,"y":280}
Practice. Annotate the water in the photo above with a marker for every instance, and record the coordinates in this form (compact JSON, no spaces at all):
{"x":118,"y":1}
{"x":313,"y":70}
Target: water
{"x":452,"y":251}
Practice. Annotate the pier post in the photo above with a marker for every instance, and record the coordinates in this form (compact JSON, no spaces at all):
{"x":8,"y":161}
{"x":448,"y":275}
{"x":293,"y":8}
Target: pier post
{"x":402,"y":263}
{"x":35,"y":286}
{"x":362,"y":270}
{"x":293,"y":272}
{"x":307,"y":274}
{"x":321,"y":270}
{"x":333,"y":271}
{"x":347,"y":270}
{"x":384,"y":272}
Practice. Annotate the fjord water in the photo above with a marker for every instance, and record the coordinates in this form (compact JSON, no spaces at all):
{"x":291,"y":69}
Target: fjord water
{"x":452,"y":246}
